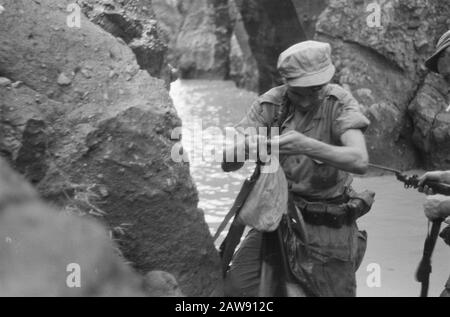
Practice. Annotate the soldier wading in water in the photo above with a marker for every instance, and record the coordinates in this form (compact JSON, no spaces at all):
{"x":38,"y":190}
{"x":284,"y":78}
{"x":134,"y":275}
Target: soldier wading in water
{"x":321,"y":142}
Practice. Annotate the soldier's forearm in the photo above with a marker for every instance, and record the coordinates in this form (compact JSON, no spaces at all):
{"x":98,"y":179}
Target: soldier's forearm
{"x":347,"y":158}
{"x":445,"y":177}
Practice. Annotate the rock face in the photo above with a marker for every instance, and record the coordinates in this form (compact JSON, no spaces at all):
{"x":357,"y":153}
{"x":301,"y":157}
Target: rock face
{"x":170,"y":15}
{"x":135,"y":23}
{"x":203,"y":43}
{"x":41,"y":250}
{"x":272,"y":27}
{"x":383,"y":67}
{"x":243,"y":66}
{"x":92,"y":131}
{"x":431,"y":122}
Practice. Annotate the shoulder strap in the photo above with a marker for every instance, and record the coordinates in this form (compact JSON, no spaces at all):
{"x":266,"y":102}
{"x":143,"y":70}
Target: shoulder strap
{"x":237,"y":229}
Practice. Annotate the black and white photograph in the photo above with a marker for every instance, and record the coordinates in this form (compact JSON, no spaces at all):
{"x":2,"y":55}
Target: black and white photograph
{"x":225,"y":155}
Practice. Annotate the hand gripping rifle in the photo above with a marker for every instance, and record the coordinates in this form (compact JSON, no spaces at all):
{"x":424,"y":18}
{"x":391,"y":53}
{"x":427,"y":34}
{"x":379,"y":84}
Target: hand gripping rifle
{"x":425,"y":268}
{"x":414,"y":182}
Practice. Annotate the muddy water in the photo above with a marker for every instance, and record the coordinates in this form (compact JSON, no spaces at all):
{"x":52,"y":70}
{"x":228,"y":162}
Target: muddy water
{"x":396,"y":225}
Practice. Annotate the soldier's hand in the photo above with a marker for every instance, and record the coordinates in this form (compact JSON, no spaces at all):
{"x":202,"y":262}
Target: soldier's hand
{"x":437,"y":176}
{"x":291,"y":143}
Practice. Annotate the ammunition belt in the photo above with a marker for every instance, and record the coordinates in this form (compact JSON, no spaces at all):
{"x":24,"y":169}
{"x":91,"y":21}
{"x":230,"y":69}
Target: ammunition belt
{"x":336,"y":213}
{"x":324,"y":214}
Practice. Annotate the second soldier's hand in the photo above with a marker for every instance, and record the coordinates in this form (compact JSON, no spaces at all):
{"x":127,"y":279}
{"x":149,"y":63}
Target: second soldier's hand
{"x":437,"y":176}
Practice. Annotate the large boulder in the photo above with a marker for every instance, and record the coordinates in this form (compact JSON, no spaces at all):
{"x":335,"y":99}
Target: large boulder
{"x":384,"y":66}
{"x":44,"y":252}
{"x":203,"y":43}
{"x":92,"y":131}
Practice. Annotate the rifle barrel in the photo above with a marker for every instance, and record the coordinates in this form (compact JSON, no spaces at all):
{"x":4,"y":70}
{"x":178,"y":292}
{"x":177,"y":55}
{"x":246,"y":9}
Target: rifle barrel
{"x":384,"y":168}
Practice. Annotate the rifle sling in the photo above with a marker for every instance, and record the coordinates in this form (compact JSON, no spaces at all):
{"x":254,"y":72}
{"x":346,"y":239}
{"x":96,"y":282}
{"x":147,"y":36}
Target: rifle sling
{"x":424,"y":271}
{"x":237,"y":229}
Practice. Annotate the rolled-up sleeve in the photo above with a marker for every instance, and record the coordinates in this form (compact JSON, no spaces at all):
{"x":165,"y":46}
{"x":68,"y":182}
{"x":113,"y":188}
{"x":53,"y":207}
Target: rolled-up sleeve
{"x":259,"y":115}
{"x":349,"y":116}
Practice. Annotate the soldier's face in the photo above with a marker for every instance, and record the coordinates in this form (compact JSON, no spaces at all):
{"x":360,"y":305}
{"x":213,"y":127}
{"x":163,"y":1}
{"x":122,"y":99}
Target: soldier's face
{"x":304,"y":97}
{"x":444,"y":65}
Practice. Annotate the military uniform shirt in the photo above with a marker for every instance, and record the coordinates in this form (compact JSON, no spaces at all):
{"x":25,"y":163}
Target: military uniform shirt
{"x":336,"y":113}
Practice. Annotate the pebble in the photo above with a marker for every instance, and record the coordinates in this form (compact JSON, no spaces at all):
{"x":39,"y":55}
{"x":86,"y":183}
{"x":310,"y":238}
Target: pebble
{"x":4,"y":82}
{"x":63,"y":80}
{"x":1,"y":9}
{"x":17,"y":84}
{"x":103,"y":192}
{"x":86,"y":73}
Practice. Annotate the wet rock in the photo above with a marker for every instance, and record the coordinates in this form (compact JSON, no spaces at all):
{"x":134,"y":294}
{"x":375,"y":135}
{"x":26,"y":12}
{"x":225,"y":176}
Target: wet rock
{"x":73,"y":134}
{"x":41,"y":249}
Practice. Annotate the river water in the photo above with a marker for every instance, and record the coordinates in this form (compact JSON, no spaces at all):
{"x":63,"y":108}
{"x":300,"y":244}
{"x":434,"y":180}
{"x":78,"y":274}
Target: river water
{"x":396,"y":225}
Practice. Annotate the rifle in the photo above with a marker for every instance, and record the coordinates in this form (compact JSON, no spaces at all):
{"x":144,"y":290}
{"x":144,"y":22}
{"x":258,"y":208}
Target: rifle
{"x":413,"y":181}
{"x":424,"y":271}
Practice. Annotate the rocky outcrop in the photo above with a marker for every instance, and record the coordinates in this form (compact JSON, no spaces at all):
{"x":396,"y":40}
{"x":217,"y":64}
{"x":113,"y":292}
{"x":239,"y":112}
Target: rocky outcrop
{"x":92,"y":131}
{"x":135,"y":23}
{"x":384,"y":66}
{"x":202,"y":47}
{"x":431,"y":122}
{"x":272,"y":27}
{"x":170,"y":15}
{"x":243,"y":66}
{"x":42,"y":251}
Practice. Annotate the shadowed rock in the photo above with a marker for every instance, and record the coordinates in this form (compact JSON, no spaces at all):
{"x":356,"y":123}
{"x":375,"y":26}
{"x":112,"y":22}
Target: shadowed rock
{"x":39,"y":246}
